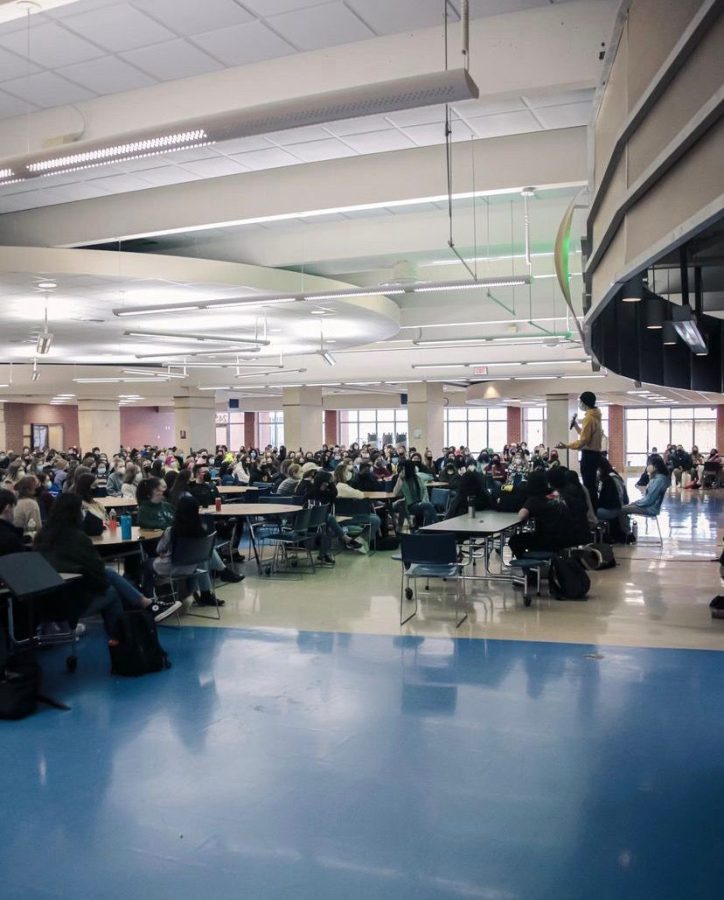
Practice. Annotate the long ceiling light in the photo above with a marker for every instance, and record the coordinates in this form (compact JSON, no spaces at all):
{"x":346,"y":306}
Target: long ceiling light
{"x":685,"y":324}
{"x":216,"y":338}
{"x":508,"y":338}
{"x":220,"y":351}
{"x":264,"y":374}
{"x":343,"y":295}
{"x":506,"y":281}
{"x":162,"y":376}
{"x":250,"y":301}
{"x":430,"y":89}
{"x":145,"y":380}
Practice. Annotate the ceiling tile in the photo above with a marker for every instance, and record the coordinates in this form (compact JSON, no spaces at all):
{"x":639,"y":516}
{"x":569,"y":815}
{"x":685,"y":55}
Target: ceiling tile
{"x":194,"y":16}
{"x":167,"y":175}
{"x":315,"y":151}
{"x":566,"y":116}
{"x":560,"y":98}
{"x":320,"y":26}
{"x":401,"y":15}
{"x":47,"y":89}
{"x":172,"y":60}
{"x":272,"y":158}
{"x":79,"y":6}
{"x":378,"y":141}
{"x":469,"y":109}
{"x":274,"y":7}
{"x":505,"y":123}
{"x":298,"y":135}
{"x":213,"y":168}
{"x":243,"y":44}
{"x":109,"y":75}
{"x":12,"y":66}
{"x":358,"y":126}
{"x":118,"y":27}
{"x":424,"y":115}
{"x":481,"y":8}
{"x":12,"y":106}
{"x":191,"y":154}
{"x":242,"y":145}
{"x":51,"y":45}
{"x":425,"y":135}
{"x":118,"y":183}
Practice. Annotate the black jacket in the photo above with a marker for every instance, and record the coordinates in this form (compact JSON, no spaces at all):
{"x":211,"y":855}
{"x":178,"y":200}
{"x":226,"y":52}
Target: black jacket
{"x":11,"y":538}
{"x":73,"y":551}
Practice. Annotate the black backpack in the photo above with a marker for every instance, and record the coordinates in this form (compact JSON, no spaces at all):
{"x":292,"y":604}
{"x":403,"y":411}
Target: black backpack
{"x":19,"y":687}
{"x":567,"y":579}
{"x":138,"y":650}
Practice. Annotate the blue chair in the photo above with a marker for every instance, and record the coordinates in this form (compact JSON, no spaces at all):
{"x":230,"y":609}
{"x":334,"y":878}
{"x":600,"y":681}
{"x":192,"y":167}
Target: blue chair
{"x":359,"y":512}
{"x":535,"y":561}
{"x":429,"y":556}
{"x":440,"y":499}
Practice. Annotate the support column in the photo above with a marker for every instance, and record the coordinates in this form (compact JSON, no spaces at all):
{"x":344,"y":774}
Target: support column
{"x":719,"y":430}
{"x":425,"y":417}
{"x":330,"y":427}
{"x":195,"y":422}
{"x":302,"y":418}
{"x":515,"y":425}
{"x":249,"y":429}
{"x":616,"y":443}
{"x":99,"y":425}
{"x":3,"y":429}
{"x":559,"y":411}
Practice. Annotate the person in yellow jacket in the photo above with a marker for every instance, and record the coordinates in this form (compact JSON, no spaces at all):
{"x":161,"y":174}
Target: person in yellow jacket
{"x":590,"y":442}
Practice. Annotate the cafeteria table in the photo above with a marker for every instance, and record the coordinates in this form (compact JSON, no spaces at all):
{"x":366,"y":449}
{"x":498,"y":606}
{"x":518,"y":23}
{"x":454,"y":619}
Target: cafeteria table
{"x":252,"y":510}
{"x":483,"y":525}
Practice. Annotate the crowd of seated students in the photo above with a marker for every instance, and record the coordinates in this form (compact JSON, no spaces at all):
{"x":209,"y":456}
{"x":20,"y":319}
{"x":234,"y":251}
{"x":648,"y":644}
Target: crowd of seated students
{"x":689,"y":469}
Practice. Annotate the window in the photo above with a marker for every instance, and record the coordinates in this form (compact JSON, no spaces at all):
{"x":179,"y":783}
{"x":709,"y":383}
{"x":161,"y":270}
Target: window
{"x":270,"y":428}
{"x":657,"y":426}
{"x":534,"y":425}
{"x":372,"y":426}
{"x":476,"y":427}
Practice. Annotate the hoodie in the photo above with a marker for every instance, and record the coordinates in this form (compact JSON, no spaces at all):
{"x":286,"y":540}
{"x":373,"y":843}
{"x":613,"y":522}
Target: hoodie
{"x":591,"y":435}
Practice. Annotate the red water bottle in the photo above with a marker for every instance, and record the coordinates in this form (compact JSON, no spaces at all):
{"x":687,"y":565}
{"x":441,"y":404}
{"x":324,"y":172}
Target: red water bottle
{"x":112,"y":521}
{"x":217,"y":504}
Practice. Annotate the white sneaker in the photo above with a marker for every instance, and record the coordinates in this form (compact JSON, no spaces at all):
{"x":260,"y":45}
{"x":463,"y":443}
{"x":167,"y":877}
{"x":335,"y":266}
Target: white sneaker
{"x":80,"y":630}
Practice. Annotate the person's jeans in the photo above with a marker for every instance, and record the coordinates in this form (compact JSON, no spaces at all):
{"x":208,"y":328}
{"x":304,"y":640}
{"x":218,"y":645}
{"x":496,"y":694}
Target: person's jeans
{"x":110,"y":604}
{"x":590,"y":461}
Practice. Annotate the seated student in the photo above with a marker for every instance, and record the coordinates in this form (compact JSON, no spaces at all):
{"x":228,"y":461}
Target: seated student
{"x":449,"y":474}
{"x":202,"y":488}
{"x":114,"y":482}
{"x":169,"y":478}
{"x":130,"y":480}
{"x":413,"y":495}
{"x":289,"y":486}
{"x":94,"y":515}
{"x":180,"y":487}
{"x":712,"y":473}
{"x":470,"y":490}
{"x":571,"y":493}
{"x":659,"y":483}
{"x":241,"y":470}
{"x":365,"y":480}
{"x":187,"y":523}
{"x":342,"y":479}
{"x":27,"y":510}
{"x":323,"y":492}
{"x":153,"y":511}
{"x":11,"y":537}
{"x":497,"y":469}
{"x":308,"y":472}
{"x":549,"y":514}
{"x":101,"y":589}
{"x":612,"y":497}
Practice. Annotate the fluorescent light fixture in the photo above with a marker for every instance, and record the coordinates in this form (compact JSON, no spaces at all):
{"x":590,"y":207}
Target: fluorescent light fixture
{"x":633,"y":290}
{"x":216,"y":338}
{"x":479,"y":322}
{"x":654,"y":312}
{"x":324,"y":383}
{"x":264,"y":374}
{"x":45,"y":340}
{"x":152,"y":310}
{"x":505,"y":281}
{"x":217,"y":387}
{"x":501,"y":365}
{"x":328,"y":358}
{"x":360,"y":383}
{"x":578,"y":377}
{"x":220,"y":351}
{"x":473,"y":259}
{"x":162,"y":376}
{"x":558,"y":362}
{"x":114,"y":380}
{"x":343,"y":295}
{"x":508,"y":338}
{"x":46,"y":285}
{"x":668,"y":334}
{"x":442,"y":366}
{"x":684,"y":322}
{"x":536,"y":377}
{"x":6,"y":173}
{"x":250,"y":301}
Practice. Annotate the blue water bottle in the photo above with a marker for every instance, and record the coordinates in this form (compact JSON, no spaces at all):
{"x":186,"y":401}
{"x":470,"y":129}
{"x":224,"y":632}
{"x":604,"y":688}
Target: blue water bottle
{"x":126,"y":531}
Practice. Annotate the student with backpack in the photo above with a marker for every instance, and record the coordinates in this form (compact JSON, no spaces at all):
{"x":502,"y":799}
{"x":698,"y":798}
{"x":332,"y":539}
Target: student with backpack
{"x":548,"y":512}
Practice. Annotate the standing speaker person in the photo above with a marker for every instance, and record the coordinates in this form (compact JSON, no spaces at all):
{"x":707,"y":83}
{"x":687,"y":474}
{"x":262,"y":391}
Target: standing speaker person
{"x":590,"y":438}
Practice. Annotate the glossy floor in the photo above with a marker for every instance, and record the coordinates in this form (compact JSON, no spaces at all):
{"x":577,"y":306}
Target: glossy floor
{"x":320,"y":765}
{"x":656,"y":597}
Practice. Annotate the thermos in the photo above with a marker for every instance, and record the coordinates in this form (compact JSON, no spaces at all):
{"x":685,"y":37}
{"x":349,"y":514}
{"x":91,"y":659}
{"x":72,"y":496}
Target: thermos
{"x":217,"y":503}
{"x":126,"y":531}
{"x":471,"y":507}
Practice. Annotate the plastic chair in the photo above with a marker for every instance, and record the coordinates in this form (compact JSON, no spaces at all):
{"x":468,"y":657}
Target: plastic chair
{"x":428,"y":556}
{"x":359,"y":510}
{"x":535,"y":561}
{"x":440,"y":499}
{"x":289,"y":539}
{"x":28,"y":577}
{"x":189,"y":552}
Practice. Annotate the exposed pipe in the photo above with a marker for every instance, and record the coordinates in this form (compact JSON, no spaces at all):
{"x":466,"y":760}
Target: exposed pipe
{"x":465,"y":30}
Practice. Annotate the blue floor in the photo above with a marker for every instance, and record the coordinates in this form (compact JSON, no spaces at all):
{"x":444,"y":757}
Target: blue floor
{"x":303,"y":765}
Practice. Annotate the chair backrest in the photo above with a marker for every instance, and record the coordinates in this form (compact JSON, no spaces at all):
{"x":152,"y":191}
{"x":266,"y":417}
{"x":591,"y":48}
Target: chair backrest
{"x":351,"y":506}
{"x":192,"y":551}
{"x":28,"y":574}
{"x":318,"y":516}
{"x":262,"y":486}
{"x":301,"y":521}
{"x":275,"y":498}
{"x":440,"y":499}
{"x":433,"y":549}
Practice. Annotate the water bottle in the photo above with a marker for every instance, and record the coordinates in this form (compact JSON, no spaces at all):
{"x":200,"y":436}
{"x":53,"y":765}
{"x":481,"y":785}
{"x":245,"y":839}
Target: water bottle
{"x":32,"y":527}
{"x":112,"y":521}
{"x":217,"y":504}
{"x":471,"y":507}
{"x":126,"y":529}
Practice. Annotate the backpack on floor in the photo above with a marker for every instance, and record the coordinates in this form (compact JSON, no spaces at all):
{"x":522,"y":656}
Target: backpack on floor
{"x":567,"y":579}
{"x":19,"y":687}
{"x":391,"y":542}
{"x":137,"y":651}
{"x":608,"y":560}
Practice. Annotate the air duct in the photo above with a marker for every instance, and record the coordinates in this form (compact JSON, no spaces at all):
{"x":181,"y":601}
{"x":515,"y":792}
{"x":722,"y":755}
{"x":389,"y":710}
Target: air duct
{"x":432,"y":89}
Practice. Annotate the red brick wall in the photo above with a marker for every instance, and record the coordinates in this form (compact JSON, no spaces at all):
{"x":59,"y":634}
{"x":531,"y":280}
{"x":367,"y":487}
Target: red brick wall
{"x":17,"y":414}
{"x":146,"y":425}
{"x":330,"y":426}
{"x":616,"y":436}
{"x":719,"y":429}
{"x":249,"y":429}
{"x":515,"y":425}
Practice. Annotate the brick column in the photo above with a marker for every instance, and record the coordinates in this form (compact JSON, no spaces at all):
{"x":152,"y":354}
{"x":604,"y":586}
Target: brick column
{"x":719,"y":429}
{"x":616,"y":444}
{"x":330,"y":427}
{"x":515,"y":424}
{"x":249,"y":429}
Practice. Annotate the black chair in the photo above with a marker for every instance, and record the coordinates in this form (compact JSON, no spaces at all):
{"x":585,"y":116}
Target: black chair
{"x":359,"y":512}
{"x":429,"y":556}
{"x":29,"y":577}
{"x":189,"y":552}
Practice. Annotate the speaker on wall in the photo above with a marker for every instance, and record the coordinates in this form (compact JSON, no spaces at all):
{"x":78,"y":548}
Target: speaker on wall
{"x":234,"y":403}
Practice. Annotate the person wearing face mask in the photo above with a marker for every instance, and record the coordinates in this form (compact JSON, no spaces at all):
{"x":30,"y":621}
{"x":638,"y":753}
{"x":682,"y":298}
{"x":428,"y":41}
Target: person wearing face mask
{"x":590,"y":441}
{"x":342,"y":479}
{"x":449,"y":475}
{"x":114,"y":482}
{"x":496,"y":469}
{"x":202,"y":489}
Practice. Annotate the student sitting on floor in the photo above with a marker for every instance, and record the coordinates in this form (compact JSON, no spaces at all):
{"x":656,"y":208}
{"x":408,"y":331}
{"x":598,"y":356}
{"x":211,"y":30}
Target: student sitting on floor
{"x":549,"y":514}
{"x":101,"y":589}
{"x":153,"y":511}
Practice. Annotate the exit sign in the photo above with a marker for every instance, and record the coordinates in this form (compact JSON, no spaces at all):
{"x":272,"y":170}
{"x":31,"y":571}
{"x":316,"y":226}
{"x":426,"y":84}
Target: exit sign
{"x":480,"y":370}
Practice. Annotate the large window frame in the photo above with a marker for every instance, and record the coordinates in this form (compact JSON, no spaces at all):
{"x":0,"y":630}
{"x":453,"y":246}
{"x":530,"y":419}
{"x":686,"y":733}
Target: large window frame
{"x":375,"y":426}
{"x":476,"y":427}
{"x":646,"y":427}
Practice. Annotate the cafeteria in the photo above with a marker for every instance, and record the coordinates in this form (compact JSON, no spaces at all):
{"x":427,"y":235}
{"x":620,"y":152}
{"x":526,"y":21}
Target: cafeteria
{"x":361,"y":434}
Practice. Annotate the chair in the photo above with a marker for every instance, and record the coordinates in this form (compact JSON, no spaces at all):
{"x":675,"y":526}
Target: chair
{"x":359,"y":510}
{"x":289,"y":539}
{"x":291,"y":500}
{"x":28,"y":577}
{"x":429,"y":556}
{"x":189,"y":552}
{"x":652,"y":540}
{"x":535,"y":561}
{"x":262,"y":487}
{"x":441,"y":499}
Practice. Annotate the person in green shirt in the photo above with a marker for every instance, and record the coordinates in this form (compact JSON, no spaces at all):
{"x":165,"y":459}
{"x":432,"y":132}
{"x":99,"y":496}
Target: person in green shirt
{"x":153,"y":511}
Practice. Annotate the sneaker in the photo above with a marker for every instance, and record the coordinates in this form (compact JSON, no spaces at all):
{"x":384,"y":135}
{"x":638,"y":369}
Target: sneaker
{"x":229,"y":575}
{"x":208,"y":599}
{"x":239,"y":557}
{"x":353,"y":545}
{"x":323,"y":561}
{"x":329,"y":560}
{"x":161,"y":609}
{"x":79,"y":630}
